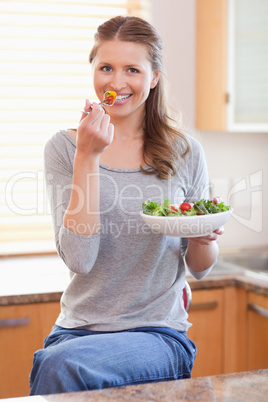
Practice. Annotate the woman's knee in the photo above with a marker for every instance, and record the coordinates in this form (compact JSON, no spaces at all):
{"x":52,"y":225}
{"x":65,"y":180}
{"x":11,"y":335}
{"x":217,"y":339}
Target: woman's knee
{"x":52,"y":372}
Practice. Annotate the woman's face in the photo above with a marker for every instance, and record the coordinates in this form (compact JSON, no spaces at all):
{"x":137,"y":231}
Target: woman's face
{"x":124,"y":67}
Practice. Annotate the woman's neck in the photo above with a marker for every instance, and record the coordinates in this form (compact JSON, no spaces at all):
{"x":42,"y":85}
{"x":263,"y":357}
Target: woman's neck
{"x":128,"y":129}
{"x":126,"y":150}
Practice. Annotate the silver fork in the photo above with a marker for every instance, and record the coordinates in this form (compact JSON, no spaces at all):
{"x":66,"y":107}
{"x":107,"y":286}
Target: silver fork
{"x":103,"y":102}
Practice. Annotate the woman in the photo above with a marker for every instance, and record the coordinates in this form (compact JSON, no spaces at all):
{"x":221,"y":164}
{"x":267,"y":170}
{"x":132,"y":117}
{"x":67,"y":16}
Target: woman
{"x":122,"y":318}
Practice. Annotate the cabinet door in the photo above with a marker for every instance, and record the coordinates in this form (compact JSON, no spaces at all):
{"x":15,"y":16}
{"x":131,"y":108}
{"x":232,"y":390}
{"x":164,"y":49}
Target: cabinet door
{"x":232,"y":65}
{"x":257,"y":330}
{"x":234,"y":331}
{"x":22,"y":331}
{"x":206,"y":315}
{"x":211,"y":62}
{"x":247,"y":56}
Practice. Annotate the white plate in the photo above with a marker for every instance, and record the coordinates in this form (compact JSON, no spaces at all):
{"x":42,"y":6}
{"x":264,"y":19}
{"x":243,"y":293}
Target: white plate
{"x":187,"y":226}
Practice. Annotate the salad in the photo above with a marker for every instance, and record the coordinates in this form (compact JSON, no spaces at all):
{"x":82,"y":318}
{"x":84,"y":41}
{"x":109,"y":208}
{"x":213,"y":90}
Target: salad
{"x":202,"y":207}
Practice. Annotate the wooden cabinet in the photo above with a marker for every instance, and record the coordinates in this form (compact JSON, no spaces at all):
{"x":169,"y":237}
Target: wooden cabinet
{"x":231,"y":70}
{"x":234,"y":327}
{"x":257,"y":331}
{"x":230,"y":330}
{"x":211,"y":62}
{"x":219,"y":330}
{"x":206,"y":315}
{"x":22,"y":332}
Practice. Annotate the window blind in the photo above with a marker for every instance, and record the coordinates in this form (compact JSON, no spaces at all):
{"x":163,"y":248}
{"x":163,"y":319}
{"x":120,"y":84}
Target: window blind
{"x":44,"y":77}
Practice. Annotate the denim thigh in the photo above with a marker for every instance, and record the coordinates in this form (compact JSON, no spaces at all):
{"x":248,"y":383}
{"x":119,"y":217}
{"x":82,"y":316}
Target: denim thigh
{"x":77,"y":360}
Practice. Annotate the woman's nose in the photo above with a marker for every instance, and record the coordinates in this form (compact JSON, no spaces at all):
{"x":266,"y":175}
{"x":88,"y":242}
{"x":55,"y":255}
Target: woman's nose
{"x":118,"y":81}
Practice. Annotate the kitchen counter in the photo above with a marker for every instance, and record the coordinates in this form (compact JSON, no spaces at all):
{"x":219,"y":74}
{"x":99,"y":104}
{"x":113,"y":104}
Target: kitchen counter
{"x":38,"y":279}
{"x":25,"y":280}
{"x":225,"y":275}
{"x":244,"y":387}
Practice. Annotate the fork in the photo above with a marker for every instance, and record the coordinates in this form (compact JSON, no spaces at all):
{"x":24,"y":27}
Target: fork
{"x":108,"y":100}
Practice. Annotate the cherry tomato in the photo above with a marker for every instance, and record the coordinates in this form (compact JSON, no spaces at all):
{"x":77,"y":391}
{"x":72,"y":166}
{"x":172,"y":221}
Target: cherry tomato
{"x":109,"y":100}
{"x":185,"y":206}
{"x":172,"y":209}
{"x":110,"y":97}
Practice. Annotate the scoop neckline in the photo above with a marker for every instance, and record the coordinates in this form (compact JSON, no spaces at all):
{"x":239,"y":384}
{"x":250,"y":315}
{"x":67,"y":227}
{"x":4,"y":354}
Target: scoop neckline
{"x":102,"y":165}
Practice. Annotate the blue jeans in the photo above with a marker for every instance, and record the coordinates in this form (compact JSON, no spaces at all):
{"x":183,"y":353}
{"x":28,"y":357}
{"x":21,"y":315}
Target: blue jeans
{"x":78,"y":360}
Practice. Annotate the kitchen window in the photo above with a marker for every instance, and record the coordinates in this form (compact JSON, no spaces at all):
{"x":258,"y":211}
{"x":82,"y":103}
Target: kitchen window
{"x":45,"y":77}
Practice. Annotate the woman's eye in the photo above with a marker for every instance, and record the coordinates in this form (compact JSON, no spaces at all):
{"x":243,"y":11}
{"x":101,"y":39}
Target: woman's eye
{"x":133,"y":70}
{"x":106,"y":68}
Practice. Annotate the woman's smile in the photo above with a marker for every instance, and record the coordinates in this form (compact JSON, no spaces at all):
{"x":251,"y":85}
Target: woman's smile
{"x":121,"y":99}
{"x":125,"y":68}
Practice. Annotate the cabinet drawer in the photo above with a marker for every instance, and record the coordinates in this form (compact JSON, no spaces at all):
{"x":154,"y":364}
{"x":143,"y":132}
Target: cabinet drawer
{"x":22,"y":332}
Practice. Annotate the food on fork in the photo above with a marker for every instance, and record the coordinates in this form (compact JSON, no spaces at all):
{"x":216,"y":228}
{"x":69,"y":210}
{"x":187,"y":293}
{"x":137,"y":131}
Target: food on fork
{"x":109,"y":98}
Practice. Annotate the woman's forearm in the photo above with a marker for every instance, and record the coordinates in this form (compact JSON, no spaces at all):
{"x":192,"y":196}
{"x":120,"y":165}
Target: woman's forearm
{"x":201,"y":256}
{"x":94,"y":135}
{"x":83,"y":213}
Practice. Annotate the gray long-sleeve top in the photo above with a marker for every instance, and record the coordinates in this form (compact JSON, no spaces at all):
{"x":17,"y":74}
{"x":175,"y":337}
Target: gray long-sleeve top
{"x":126,"y":276}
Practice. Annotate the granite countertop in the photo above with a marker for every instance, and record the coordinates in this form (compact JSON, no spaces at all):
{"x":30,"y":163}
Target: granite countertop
{"x":249,"y":386}
{"x":25,"y":280}
{"x":222,"y":276}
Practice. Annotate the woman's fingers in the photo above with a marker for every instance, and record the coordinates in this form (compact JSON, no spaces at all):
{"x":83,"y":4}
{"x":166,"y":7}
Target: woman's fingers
{"x":87,"y":108}
{"x":94,"y":109}
{"x":95,"y":132}
{"x":111,"y":132}
{"x":219,"y":231}
{"x":205,"y":240}
{"x":92,"y":121}
{"x":107,"y":128}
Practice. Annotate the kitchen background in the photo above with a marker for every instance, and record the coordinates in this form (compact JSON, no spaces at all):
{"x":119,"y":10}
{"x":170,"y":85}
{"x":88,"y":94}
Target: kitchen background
{"x":45,"y":77}
{"x":234,"y":158}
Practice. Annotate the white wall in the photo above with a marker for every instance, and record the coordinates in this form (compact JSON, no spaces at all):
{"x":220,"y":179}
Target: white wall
{"x":175,"y":22}
{"x":233,"y":158}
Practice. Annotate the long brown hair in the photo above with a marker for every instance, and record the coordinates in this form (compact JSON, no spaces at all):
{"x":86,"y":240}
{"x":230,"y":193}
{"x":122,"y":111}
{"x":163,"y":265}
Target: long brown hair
{"x":162,"y":141}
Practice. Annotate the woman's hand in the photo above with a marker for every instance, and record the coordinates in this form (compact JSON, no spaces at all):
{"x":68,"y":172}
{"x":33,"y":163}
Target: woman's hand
{"x":206,"y":240}
{"x":95,"y":132}
{"x":202,"y":252}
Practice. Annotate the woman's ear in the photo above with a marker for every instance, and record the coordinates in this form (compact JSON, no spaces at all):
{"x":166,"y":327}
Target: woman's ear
{"x":155,"y":79}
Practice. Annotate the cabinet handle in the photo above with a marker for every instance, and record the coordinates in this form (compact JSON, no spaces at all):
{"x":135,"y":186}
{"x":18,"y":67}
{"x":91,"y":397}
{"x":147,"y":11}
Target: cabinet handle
{"x":258,"y":309}
{"x":15,"y":322}
{"x":204,"y":306}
